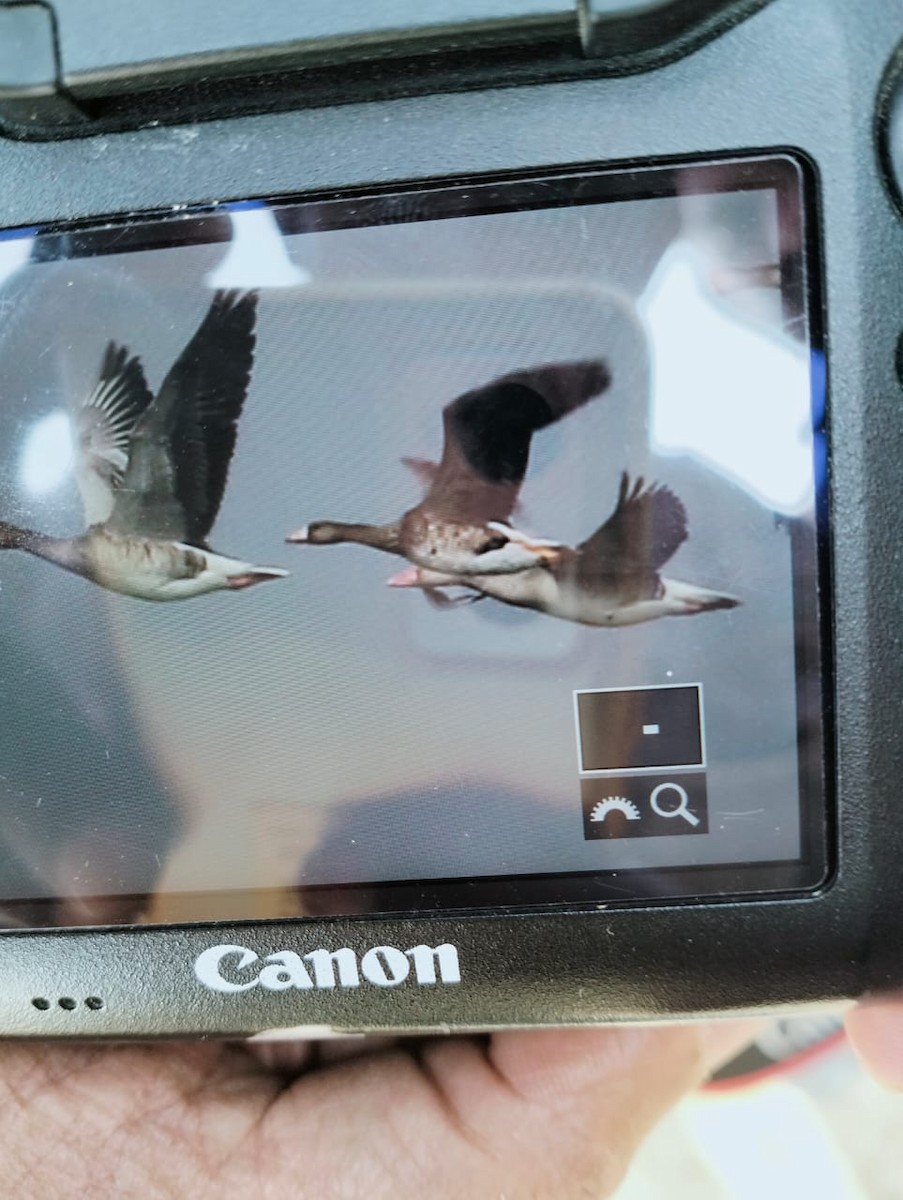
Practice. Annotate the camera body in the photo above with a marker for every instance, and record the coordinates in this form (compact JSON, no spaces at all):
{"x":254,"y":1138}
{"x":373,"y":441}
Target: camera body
{"x":809,"y":83}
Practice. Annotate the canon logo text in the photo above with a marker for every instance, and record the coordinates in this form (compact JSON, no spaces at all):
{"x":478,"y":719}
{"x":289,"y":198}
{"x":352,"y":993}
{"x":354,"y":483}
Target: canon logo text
{"x":238,"y":969}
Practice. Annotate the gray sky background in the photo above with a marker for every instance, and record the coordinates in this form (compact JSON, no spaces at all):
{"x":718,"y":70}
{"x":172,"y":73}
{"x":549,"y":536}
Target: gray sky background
{"x":275,"y":717}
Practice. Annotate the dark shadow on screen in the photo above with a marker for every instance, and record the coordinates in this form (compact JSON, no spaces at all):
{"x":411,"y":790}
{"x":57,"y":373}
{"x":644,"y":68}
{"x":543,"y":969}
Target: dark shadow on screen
{"x":87,"y":823}
{"x":453,"y":840}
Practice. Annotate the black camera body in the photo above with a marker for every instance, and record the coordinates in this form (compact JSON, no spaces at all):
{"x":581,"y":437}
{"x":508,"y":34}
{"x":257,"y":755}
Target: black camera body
{"x":443,"y":209}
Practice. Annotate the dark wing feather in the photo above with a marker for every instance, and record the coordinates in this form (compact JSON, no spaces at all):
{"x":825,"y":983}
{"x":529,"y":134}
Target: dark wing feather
{"x":487,"y":435}
{"x":208,"y":385}
{"x":641,"y":535}
{"x":182,"y":448}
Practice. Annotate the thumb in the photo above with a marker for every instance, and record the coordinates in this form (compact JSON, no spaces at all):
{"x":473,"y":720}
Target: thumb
{"x":875,"y":1031}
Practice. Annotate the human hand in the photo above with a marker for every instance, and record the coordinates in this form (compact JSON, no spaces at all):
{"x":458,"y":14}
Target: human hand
{"x":875,"y":1031}
{"x":540,"y":1114}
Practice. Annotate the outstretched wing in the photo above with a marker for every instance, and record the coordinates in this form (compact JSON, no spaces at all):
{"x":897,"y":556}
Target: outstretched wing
{"x":182,"y":447}
{"x":487,"y":435}
{"x":641,"y":535}
{"x":104,"y":423}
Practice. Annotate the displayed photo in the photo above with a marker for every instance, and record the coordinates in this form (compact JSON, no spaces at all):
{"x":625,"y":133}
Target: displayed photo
{"x":532,"y":470}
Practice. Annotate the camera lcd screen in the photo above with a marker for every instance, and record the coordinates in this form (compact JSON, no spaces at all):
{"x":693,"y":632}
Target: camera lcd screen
{"x":439,"y":547}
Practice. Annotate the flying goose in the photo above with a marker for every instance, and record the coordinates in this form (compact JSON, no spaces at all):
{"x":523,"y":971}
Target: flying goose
{"x":152,"y":469}
{"x":613,"y":578}
{"x":461,"y":526}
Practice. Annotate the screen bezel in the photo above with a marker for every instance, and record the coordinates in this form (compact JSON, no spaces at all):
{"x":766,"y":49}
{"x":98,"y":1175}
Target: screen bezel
{"x":793,"y":180}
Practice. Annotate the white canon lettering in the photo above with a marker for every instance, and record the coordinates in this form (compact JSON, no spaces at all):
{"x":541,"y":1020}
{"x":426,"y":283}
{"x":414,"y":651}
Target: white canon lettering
{"x":207,"y":968}
{"x":325,"y":964}
{"x":385,"y":966}
{"x":426,"y":959}
{"x":285,"y":970}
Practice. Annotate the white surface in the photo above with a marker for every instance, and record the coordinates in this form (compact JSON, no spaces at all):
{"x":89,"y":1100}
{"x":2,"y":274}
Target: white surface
{"x":825,"y":1132}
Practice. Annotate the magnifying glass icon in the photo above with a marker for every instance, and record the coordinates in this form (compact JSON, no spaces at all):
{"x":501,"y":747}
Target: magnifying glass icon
{"x":682,"y":798}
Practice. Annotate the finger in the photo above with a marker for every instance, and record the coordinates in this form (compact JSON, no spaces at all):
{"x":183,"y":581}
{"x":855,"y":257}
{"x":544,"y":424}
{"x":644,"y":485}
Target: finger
{"x":287,"y":1058}
{"x":341,"y":1049}
{"x":875,"y":1030}
{"x":540,"y":1062}
{"x":601,"y":1091}
{"x":539,"y":1114}
{"x":292,"y":1057}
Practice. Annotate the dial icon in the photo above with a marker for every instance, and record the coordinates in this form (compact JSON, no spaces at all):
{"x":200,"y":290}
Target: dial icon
{"x":615,"y":804}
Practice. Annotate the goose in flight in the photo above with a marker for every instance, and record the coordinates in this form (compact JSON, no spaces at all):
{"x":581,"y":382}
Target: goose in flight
{"x":611,"y":579}
{"x":462,"y":525}
{"x":152,"y":469}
